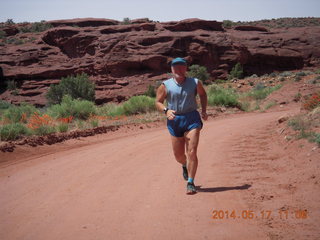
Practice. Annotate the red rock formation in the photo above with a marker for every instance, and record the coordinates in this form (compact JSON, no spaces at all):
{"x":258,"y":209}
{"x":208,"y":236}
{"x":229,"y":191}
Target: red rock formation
{"x":250,"y":28}
{"x":123,"y":60}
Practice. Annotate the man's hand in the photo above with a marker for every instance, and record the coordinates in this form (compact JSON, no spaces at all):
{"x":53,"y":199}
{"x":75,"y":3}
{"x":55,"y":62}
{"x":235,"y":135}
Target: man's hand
{"x":204,"y":115}
{"x":170,"y":114}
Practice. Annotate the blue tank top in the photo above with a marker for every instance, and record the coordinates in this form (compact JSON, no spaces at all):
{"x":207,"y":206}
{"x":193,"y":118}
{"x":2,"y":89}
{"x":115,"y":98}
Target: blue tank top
{"x":181,"y":97}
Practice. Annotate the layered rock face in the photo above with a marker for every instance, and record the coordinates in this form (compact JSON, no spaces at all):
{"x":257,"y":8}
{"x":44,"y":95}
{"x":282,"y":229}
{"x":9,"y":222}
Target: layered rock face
{"x":123,"y":60}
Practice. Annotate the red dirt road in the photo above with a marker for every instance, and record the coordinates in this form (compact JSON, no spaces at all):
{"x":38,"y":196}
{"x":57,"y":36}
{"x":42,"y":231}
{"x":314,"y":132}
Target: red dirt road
{"x":128,"y":186}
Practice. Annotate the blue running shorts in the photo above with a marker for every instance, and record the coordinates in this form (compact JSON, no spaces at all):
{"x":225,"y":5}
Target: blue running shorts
{"x":184,"y":122}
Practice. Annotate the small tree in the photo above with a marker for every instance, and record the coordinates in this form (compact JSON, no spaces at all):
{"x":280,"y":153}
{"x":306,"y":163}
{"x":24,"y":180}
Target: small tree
{"x":227,"y":23}
{"x":126,"y":21}
{"x":151,"y":92}
{"x":10,"y":22}
{"x":236,"y":72}
{"x":78,"y":87}
{"x":199,"y":72}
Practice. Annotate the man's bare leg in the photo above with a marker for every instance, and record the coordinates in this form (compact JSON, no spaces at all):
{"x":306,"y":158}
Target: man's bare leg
{"x":192,"y":140}
{"x":178,"y":146}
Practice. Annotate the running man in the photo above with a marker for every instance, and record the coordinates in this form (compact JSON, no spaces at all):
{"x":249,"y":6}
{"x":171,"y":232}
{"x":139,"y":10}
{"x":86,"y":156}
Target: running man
{"x":183,"y":120}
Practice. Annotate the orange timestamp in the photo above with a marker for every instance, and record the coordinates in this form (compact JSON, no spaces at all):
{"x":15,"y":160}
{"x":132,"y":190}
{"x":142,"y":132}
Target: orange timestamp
{"x":264,"y":214}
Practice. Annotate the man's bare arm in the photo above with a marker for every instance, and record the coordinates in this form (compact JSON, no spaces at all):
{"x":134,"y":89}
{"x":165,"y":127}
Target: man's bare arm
{"x":161,"y":96}
{"x":203,"y":96}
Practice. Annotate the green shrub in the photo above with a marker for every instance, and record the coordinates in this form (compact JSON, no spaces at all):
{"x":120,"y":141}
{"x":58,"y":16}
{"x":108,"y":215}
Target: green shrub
{"x":297,"y":78}
{"x":227,"y":23}
{"x":2,"y":34}
{"x":301,"y":74}
{"x":317,"y":138}
{"x":13,"y":131}
{"x":81,"y":124}
{"x":79,"y":109}
{"x":261,"y":93}
{"x":219,"y":81}
{"x":273,"y":74}
{"x":78,"y":86}
{"x":110,"y":109}
{"x":317,"y":71}
{"x":270,"y":104}
{"x":44,"y":130}
{"x":151,"y":92}
{"x":9,"y":22}
{"x":94,"y":123}
{"x":139,"y":104}
{"x":236,"y":72}
{"x":126,"y":21}
{"x":219,"y":96}
{"x":4,"y":104}
{"x":11,"y":85}
{"x":36,"y":27}
{"x":286,"y":74}
{"x":63,"y":127}
{"x":15,"y":114}
{"x":299,"y":123}
{"x":259,"y":86}
{"x":199,"y":72}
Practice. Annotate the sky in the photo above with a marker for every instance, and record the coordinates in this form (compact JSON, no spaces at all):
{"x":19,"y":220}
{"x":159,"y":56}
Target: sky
{"x":157,"y":10}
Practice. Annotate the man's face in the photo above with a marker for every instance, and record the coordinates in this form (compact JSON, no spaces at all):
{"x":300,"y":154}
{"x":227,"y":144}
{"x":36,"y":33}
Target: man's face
{"x":179,"y":71}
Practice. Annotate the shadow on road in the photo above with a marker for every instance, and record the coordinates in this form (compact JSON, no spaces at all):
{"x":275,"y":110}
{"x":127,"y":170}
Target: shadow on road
{"x":221,"y":189}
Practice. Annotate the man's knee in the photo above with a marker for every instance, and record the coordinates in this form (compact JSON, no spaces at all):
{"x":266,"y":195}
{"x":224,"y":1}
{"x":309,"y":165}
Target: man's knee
{"x":179,"y":154}
{"x":192,"y":153}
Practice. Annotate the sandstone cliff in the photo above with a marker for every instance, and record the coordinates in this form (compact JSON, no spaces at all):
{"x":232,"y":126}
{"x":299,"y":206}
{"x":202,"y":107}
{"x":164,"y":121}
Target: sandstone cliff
{"x":123,"y":60}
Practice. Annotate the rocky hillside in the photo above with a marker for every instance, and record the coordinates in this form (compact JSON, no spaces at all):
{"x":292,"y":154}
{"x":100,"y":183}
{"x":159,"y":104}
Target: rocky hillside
{"x":124,"y":59}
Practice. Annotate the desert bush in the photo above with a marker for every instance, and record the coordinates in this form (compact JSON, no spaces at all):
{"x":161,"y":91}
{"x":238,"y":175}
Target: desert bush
{"x":220,"y":81}
{"x":79,"y":109}
{"x":36,"y":27}
{"x":236,"y":72}
{"x":253,"y":76}
{"x":13,"y":131}
{"x":110,"y":109}
{"x":11,"y":85}
{"x":227,"y":23}
{"x":316,"y":138}
{"x":44,"y":130}
{"x":151,"y":92}
{"x":312,"y":102}
{"x":304,"y":124}
{"x":15,"y":114}
{"x":261,"y":92}
{"x":4,"y":104}
{"x":2,"y":34}
{"x":286,"y":74}
{"x":299,"y":123}
{"x":94,"y":123}
{"x":78,"y":86}
{"x":301,"y":74}
{"x":63,"y":127}
{"x":259,"y":86}
{"x":19,"y":42}
{"x":139,"y":104}
{"x":297,"y":78}
{"x":219,"y":96}
{"x":297,"y":97}
{"x":200,"y":72}
{"x":126,"y":21}
{"x":10,"y":22}
{"x":273,"y":74}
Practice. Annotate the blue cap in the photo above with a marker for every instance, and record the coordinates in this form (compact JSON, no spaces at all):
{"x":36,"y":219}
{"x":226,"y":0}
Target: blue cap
{"x":178,"y":61}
